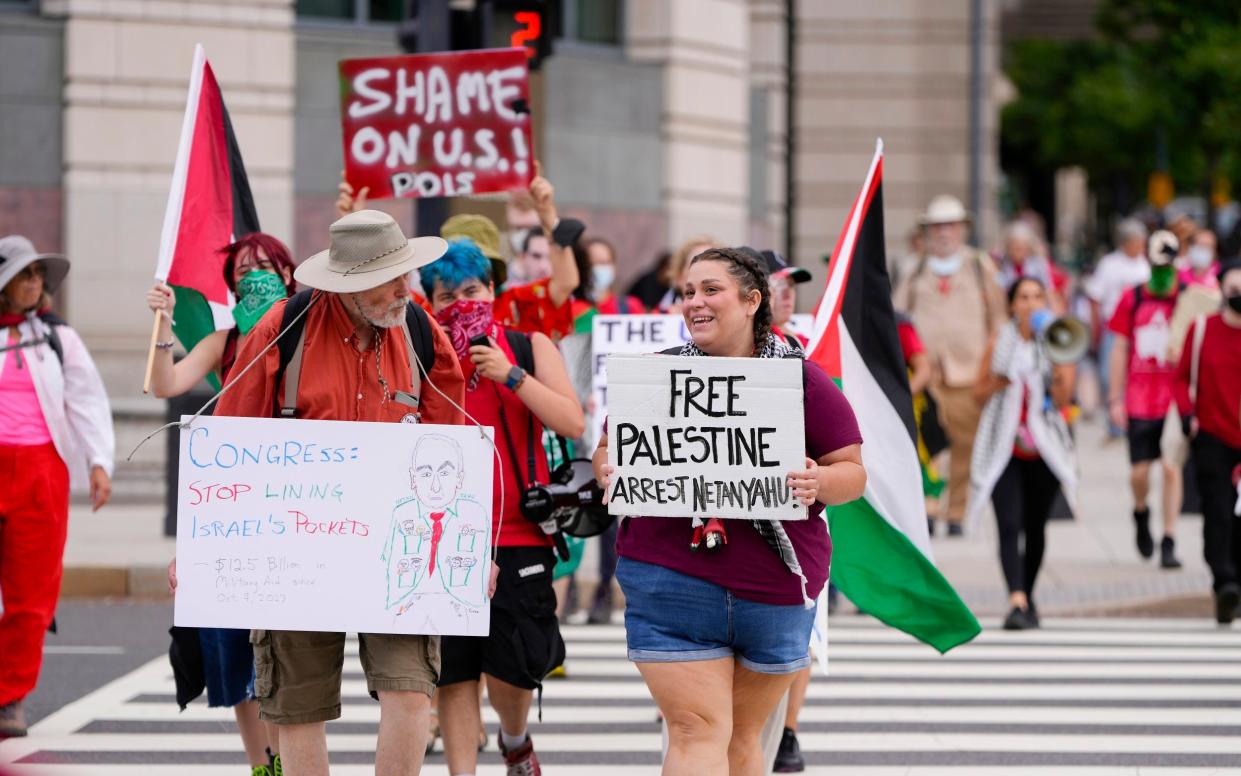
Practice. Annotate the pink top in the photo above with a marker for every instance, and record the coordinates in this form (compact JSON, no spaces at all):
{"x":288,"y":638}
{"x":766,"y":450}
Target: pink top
{"x":1208,"y":279}
{"x":21,"y":417}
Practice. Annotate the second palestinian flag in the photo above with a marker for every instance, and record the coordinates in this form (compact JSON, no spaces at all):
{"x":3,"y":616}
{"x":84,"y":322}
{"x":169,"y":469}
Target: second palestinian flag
{"x":881,"y":552}
{"x":209,"y":206}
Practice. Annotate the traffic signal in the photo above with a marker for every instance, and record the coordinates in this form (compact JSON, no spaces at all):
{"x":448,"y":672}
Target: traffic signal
{"x":527,"y":24}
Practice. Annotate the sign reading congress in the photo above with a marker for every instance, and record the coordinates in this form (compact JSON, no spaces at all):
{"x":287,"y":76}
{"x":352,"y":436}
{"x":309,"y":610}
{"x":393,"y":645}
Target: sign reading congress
{"x":705,"y":437}
{"x":437,"y":125}
{"x":332,"y":526}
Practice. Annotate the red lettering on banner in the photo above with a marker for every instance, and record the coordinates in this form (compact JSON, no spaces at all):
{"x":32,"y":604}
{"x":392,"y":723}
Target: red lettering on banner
{"x":437,"y":125}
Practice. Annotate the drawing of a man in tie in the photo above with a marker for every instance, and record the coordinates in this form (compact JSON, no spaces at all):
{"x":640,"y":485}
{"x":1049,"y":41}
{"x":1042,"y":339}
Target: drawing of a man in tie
{"x":428,"y":524}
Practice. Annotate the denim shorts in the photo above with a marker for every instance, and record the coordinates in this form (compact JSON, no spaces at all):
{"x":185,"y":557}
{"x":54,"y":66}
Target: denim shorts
{"x":674,"y":618}
{"x":228,"y":666}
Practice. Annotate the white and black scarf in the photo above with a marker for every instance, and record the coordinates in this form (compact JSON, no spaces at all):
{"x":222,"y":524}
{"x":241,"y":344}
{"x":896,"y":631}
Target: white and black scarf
{"x":771,"y":530}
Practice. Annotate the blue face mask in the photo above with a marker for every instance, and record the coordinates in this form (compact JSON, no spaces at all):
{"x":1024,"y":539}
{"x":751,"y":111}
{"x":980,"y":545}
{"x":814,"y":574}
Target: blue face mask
{"x":602,"y":276}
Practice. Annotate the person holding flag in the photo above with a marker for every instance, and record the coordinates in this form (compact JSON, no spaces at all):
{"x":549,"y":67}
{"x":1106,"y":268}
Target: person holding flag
{"x":258,"y":271}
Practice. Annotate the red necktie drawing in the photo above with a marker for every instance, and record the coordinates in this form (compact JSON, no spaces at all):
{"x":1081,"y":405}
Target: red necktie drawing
{"x":437,"y":533}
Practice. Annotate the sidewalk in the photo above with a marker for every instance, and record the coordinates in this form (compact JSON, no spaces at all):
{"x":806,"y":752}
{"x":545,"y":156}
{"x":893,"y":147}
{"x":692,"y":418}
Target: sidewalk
{"x":1091,"y":563}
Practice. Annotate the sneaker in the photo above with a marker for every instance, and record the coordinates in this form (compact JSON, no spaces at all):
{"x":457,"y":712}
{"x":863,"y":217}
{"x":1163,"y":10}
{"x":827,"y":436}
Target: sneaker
{"x":599,"y":616}
{"x":12,"y":721}
{"x":277,"y":767}
{"x":956,"y":529}
{"x":1146,"y":542}
{"x":788,"y":757}
{"x":1226,"y":600}
{"x":522,"y":761}
{"x":1020,"y":619}
{"x":1167,"y":554}
{"x":261,"y":770}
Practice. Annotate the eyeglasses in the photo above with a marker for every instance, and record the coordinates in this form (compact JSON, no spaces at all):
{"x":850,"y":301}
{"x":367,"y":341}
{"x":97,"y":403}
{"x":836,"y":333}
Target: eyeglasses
{"x":32,"y":271}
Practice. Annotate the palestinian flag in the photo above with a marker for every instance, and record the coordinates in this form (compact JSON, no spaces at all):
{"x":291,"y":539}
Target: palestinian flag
{"x":209,"y":206}
{"x":881,"y":556}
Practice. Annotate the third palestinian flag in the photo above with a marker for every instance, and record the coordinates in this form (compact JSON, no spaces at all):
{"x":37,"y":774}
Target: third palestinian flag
{"x":209,"y":206}
{"x":881,"y":557}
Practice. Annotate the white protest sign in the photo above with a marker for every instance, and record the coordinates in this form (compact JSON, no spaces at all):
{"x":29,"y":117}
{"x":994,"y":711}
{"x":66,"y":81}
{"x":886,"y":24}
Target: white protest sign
{"x":320,"y":525}
{"x":707,"y":437}
{"x":640,"y":334}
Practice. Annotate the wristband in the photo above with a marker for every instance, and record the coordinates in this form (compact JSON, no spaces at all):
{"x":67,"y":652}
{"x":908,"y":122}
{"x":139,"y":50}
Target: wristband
{"x":169,"y":345}
{"x":516,"y":376}
{"x":567,"y":231}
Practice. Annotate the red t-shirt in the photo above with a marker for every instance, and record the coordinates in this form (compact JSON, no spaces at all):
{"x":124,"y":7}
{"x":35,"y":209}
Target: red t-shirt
{"x":510,"y":528}
{"x":1219,"y":380}
{"x":1148,"y":392}
{"x":911,"y":343}
{"x":529,"y":308}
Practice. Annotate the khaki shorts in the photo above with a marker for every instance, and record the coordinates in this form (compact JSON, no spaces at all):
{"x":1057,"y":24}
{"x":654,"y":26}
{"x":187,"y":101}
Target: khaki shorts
{"x":297,"y":674}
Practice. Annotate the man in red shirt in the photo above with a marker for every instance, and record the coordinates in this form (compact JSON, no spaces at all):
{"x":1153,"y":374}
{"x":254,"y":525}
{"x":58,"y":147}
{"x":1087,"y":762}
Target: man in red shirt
{"x":1140,"y":390}
{"x":1208,"y":396}
{"x":354,"y":344}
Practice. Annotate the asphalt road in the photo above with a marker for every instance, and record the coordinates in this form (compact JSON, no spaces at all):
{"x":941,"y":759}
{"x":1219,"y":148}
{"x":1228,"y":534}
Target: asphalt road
{"x":96,"y":642}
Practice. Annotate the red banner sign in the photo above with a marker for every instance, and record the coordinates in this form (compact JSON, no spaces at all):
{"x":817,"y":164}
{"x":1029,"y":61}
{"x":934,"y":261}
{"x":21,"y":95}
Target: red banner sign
{"x":437,"y":125}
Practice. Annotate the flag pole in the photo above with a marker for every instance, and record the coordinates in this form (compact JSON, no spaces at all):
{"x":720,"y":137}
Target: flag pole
{"x":146,"y":380}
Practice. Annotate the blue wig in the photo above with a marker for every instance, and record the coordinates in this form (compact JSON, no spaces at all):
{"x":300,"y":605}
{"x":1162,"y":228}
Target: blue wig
{"x":463,"y":261}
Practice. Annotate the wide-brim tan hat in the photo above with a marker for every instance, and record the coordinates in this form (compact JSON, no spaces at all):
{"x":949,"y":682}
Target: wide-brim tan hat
{"x":944,"y":209}
{"x":367,"y":250}
{"x":17,"y":253}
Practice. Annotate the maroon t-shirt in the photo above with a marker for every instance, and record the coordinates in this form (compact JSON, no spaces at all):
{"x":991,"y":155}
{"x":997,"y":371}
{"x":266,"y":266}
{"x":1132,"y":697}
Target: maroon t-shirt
{"x":747,"y":567}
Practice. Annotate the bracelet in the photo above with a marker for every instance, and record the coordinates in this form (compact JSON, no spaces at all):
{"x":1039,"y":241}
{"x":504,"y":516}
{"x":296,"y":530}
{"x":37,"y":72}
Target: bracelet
{"x":520,"y":382}
{"x":169,"y":345}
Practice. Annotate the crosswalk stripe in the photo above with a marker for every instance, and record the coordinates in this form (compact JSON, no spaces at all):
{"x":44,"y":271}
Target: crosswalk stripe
{"x":1076,"y":697}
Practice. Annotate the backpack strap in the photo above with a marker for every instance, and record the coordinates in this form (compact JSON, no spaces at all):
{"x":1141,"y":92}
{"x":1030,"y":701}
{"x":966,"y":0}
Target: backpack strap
{"x":52,"y":321}
{"x":290,"y":347}
{"x":1195,"y":357}
{"x":522,"y":347}
{"x":420,"y":340}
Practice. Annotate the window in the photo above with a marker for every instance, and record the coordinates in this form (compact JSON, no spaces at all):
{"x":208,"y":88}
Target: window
{"x":593,"y":21}
{"x":358,"y":11}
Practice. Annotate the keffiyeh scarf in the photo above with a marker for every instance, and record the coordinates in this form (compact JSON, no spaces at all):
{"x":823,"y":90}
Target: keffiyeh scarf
{"x":772,"y":531}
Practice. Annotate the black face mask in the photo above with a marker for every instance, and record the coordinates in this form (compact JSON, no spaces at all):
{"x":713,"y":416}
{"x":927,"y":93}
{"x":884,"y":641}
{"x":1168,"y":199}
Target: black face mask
{"x":1234,"y":302}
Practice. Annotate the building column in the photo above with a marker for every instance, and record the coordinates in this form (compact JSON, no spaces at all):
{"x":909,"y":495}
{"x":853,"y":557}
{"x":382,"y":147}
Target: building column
{"x":703,"y":47}
{"x":127,"y":67}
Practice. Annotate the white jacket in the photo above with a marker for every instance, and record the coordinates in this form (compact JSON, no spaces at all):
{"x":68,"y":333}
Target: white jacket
{"x":74,"y":402}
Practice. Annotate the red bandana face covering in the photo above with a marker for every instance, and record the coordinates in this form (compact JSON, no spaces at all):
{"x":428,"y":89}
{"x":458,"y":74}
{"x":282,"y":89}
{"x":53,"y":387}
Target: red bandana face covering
{"x":463,"y":320}
{"x":15,"y":319}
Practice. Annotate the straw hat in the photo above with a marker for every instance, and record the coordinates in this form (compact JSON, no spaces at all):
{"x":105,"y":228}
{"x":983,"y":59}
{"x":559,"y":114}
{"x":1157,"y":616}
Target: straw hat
{"x":17,"y":252}
{"x":367,"y":250}
{"x":483,"y":232}
{"x":945,"y":209}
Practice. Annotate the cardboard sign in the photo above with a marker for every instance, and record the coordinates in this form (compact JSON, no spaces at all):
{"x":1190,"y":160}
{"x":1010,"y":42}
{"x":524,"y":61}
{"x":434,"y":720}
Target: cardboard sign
{"x":332,"y":526}
{"x":706,"y":437}
{"x":437,"y":125}
{"x":639,"y":334}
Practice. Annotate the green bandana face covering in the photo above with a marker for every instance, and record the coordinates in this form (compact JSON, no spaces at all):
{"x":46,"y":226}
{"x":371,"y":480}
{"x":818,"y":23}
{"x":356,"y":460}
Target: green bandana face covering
{"x":257,"y":291}
{"x":1163,"y":280}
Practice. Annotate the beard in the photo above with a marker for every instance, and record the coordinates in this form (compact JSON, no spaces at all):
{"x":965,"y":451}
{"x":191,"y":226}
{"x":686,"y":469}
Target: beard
{"x":381,"y":316}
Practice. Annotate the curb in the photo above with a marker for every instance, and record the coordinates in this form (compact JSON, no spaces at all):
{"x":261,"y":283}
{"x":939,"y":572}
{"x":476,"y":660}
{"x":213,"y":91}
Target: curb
{"x":114,"y":582}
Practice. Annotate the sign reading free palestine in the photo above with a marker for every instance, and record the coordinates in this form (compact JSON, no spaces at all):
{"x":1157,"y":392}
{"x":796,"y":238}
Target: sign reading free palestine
{"x":705,"y":437}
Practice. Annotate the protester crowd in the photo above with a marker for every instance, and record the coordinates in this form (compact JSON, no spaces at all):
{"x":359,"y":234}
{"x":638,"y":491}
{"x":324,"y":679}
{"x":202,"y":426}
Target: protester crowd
{"x":480,"y":325}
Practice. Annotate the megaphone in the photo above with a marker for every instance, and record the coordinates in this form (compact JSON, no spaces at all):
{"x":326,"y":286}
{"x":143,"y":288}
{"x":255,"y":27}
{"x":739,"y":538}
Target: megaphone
{"x":1067,"y":339}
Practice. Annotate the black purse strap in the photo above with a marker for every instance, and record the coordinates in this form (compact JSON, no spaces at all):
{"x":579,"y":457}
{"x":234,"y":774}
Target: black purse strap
{"x":512,"y":448}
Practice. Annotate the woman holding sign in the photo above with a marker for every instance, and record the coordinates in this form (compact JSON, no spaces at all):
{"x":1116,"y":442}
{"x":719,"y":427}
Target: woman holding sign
{"x":720,"y":635}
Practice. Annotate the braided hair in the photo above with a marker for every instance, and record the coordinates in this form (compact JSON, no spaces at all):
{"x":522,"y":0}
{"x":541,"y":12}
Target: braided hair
{"x":750,"y":275}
